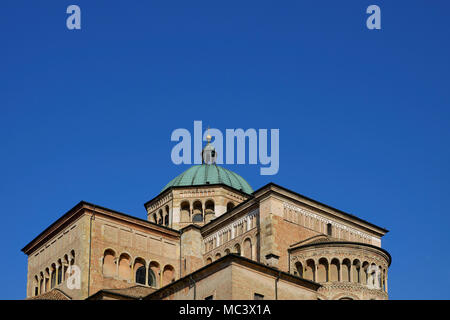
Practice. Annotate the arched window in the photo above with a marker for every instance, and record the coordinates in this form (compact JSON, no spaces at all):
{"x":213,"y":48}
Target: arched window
{"x":47,"y":282}
{"x":166,"y":220}
{"x":247,"y":248}
{"x":65,"y":266}
{"x":334,"y":270}
{"x":364,"y":273}
{"x":59,"y":272}
{"x":309,"y":272}
{"x":124,"y":267}
{"x":209,"y":211}
{"x":36,"y":286}
{"x":140,"y":275}
{"x":227,"y":251}
{"x":322,"y":270}
{"x":345,"y":270}
{"x":208,"y":261}
{"x":237,"y":249}
{"x":299,"y":269}
{"x":153,"y":273}
{"x":53,"y":276}
{"x":218,"y":256}
{"x":160,"y":217}
{"x":151,"y":278}
{"x":72,"y":261}
{"x":109,"y":266}
{"x":166,"y":217}
{"x":356,"y":271}
{"x":197,"y":212}
{"x":168,"y":275}
{"x":185,"y":212}
{"x":209,"y":207}
{"x":41,"y":283}
{"x":140,"y":271}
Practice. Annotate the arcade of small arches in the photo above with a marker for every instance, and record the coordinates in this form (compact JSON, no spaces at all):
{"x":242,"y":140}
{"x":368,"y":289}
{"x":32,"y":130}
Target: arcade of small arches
{"x":54,"y":275}
{"x":245,"y":249}
{"x":137,"y":270}
{"x":196,"y":211}
{"x":161,"y":216}
{"x":335,"y":270}
{"x":199,"y":211}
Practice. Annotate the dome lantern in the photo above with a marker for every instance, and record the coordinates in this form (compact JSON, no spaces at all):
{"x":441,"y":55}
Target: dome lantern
{"x":209,"y":154}
{"x":209,"y":173}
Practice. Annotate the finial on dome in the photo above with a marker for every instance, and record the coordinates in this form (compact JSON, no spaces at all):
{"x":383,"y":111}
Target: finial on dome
{"x":208,"y":137}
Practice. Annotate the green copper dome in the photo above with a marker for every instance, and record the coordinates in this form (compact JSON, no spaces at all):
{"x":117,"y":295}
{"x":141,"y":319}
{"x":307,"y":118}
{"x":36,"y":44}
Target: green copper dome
{"x":209,"y":174}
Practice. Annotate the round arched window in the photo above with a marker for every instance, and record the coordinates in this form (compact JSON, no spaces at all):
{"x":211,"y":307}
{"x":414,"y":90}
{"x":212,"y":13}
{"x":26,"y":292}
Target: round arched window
{"x":140,"y":275}
{"x":151,"y":278}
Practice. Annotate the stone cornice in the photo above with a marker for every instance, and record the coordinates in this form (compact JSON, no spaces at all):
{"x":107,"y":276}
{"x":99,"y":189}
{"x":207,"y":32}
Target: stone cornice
{"x":54,"y":228}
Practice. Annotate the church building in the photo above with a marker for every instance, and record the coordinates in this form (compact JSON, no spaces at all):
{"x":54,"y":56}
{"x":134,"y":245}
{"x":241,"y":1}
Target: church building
{"x":209,"y":235}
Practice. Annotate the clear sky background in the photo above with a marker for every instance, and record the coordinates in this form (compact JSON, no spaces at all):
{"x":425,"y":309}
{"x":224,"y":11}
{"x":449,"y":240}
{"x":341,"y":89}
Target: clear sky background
{"x":363,"y":115}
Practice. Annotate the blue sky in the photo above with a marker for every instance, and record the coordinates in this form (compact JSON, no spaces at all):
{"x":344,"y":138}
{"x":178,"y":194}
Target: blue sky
{"x":363,"y":114}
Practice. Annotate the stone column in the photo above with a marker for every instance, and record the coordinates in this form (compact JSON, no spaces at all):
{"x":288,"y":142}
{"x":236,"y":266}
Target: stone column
{"x":386,"y":282}
{"x":316,"y":266}
{"x":146,"y":272}
{"x":133,"y":276}
{"x":329,"y":272}
{"x":254,"y":250}
{"x":203,"y":211}
{"x":350,"y":278}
